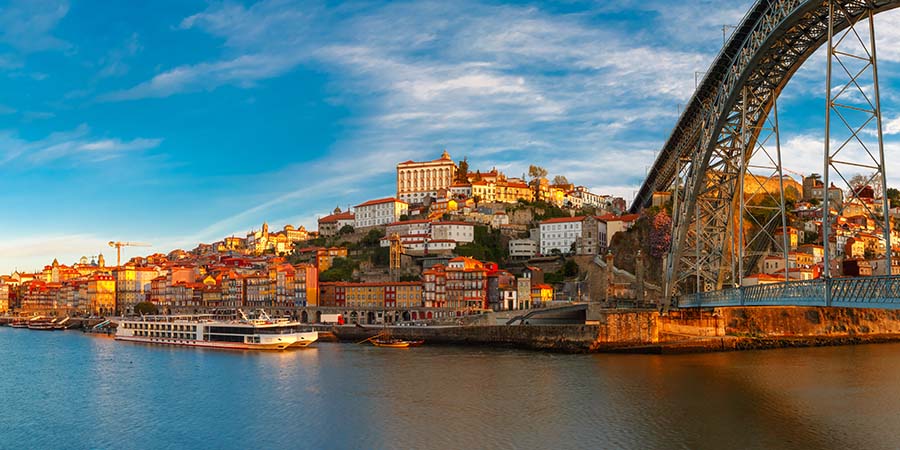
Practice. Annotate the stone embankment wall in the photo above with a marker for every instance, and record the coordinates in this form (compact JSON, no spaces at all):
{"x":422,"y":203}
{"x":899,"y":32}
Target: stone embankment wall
{"x":626,"y":329}
{"x":562,"y":338}
{"x":808,"y":321}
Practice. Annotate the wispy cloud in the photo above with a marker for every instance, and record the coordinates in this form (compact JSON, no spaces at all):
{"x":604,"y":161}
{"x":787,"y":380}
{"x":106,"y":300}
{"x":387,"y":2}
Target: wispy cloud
{"x":485,"y":81}
{"x":115,"y":63}
{"x":77,"y":144}
{"x":27,"y":25}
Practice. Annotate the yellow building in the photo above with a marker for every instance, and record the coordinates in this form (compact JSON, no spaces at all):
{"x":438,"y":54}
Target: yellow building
{"x":102,"y":294}
{"x":541,"y":294}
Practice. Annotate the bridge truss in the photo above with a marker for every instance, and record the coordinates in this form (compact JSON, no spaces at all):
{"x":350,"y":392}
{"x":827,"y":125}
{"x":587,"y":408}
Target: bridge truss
{"x":726,"y":220}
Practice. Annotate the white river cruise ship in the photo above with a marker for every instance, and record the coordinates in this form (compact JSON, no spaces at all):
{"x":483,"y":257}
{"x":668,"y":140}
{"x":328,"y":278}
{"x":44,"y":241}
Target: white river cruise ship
{"x":258,"y":333}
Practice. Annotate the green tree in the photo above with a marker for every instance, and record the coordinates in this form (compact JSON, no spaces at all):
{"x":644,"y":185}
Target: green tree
{"x":346,"y":229}
{"x":372,"y":238}
{"x":570,"y":268}
{"x":894,"y":196}
{"x":341,"y":270}
{"x":145,"y":309}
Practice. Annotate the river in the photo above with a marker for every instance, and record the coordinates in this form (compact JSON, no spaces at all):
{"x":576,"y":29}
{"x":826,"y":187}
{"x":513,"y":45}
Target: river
{"x":70,"y":390}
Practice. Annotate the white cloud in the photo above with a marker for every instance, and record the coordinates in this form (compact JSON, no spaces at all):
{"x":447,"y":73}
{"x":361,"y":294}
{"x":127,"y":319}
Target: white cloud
{"x":27,"y":24}
{"x":77,"y":144}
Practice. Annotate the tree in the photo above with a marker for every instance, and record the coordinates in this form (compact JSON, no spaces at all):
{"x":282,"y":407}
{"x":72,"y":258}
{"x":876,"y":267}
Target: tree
{"x":341,"y":270}
{"x":859,"y":181}
{"x":560,"y":180}
{"x":146,"y":308}
{"x":660,"y":235}
{"x":894,"y":196}
{"x":536,"y":172}
{"x":372,"y":238}
{"x":476,"y":199}
{"x":570,"y":268}
{"x":462,"y":173}
{"x":346,"y":229}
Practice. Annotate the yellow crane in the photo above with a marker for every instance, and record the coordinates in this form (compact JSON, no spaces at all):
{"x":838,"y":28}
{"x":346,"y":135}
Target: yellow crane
{"x":118,"y":246}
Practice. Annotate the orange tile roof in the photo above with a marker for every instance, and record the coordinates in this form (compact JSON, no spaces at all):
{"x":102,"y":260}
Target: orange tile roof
{"x":347,"y":215}
{"x":563,"y":220}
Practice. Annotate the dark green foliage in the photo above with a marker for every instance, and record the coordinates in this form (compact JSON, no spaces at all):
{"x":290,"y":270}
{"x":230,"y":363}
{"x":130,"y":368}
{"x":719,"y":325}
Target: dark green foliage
{"x":810,"y":237}
{"x":372,"y":238}
{"x":346,"y":229}
{"x":894,"y":196}
{"x":382,"y":256}
{"x":146,"y":308}
{"x":341,"y":270}
{"x":488,"y":246}
{"x":570,"y":269}
{"x":554,"y":278}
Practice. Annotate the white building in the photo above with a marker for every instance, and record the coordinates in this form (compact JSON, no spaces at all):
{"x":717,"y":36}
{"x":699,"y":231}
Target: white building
{"x":522,"y":248}
{"x":379,"y":212}
{"x":587,"y":198}
{"x":409,"y":228}
{"x":462,"y":232}
{"x":559,"y":234}
{"x":417,"y":181}
{"x":461,"y":190}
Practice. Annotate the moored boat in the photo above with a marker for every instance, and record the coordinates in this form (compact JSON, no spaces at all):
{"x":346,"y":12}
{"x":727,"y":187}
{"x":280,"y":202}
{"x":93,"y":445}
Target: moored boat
{"x":390,"y":343}
{"x":44,"y":325}
{"x":19,"y":323}
{"x":259,"y":333}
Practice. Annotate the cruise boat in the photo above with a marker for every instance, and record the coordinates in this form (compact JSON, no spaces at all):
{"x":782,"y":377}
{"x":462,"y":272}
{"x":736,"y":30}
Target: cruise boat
{"x":258,"y":333}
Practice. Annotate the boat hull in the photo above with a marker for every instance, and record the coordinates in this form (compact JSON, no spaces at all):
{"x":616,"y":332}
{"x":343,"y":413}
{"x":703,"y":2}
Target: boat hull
{"x":288,"y":343}
{"x":402,"y":344}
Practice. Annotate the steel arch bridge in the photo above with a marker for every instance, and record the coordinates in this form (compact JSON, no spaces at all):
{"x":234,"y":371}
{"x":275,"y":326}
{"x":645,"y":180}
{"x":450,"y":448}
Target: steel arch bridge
{"x":729,"y":133}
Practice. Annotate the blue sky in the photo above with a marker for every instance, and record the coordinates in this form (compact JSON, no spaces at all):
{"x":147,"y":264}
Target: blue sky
{"x":177,"y":122}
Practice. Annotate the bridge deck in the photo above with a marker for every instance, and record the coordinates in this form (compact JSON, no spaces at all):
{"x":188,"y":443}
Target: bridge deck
{"x":862,"y":292}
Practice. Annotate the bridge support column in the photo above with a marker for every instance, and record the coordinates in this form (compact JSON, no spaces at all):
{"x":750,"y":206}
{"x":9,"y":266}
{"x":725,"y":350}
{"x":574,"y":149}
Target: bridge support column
{"x":854,"y":140}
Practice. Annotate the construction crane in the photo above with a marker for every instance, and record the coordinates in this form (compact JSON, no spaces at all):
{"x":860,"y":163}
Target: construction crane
{"x":396,"y":252}
{"x":118,"y":246}
{"x":793,"y":172}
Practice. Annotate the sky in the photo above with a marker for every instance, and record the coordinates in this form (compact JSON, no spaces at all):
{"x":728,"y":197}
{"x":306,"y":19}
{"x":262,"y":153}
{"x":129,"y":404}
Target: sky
{"x":174,"y":122}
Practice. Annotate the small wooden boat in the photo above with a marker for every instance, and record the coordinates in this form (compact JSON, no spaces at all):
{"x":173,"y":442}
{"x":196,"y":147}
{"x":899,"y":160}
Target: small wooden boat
{"x":390,"y":343}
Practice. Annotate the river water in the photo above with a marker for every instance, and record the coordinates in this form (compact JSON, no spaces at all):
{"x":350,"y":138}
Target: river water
{"x":70,"y":390}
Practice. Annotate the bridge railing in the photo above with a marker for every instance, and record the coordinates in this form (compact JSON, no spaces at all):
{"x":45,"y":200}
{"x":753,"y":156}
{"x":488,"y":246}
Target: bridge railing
{"x":859,"y":292}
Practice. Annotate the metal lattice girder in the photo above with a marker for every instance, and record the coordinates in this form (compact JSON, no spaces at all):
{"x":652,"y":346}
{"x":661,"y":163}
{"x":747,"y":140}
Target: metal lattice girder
{"x":853,"y":124}
{"x":766,"y":49}
{"x":762,"y":206}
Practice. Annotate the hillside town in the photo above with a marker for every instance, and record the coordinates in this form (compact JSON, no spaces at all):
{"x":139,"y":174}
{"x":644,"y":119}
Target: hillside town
{"x":450,"y":242}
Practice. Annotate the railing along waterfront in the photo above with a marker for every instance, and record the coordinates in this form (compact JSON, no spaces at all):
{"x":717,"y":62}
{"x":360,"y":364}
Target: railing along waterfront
{"x":861,"y":292}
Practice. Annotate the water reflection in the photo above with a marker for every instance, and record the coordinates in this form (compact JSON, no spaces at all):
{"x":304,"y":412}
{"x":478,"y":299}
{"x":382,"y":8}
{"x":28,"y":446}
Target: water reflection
{"x":107,"y":394}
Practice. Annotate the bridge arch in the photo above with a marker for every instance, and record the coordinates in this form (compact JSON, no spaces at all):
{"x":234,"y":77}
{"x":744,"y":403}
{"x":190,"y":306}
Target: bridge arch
{"x":706,"y":153}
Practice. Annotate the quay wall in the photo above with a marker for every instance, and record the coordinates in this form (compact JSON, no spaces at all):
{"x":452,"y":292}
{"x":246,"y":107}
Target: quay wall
{"x":561,"y":338}
{"x":790,"y":321}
